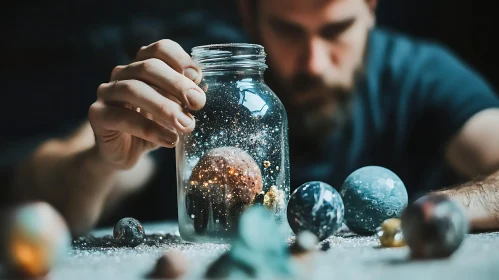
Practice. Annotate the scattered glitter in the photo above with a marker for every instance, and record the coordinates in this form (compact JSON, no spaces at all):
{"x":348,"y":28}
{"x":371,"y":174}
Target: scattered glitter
{"x":266,"y":164}
{"x":349,"y":254}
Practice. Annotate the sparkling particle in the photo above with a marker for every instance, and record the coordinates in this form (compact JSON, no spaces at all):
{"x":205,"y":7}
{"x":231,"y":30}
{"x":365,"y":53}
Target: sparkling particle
{"x":266,"y":164}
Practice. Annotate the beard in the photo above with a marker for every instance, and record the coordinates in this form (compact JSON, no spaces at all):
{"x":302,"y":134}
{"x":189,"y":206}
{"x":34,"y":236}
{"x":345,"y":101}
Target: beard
{"x":315,"y":109}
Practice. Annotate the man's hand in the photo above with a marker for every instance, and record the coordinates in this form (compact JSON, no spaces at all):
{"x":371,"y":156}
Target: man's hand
{"x":84,"y":174}
{"x":146,"y":104}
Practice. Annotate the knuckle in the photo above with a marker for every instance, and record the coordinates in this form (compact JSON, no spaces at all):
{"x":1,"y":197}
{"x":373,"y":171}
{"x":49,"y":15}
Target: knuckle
{"x":159,"y":47}
{"x":101,"y":89}
{"x":166,"y":44}
{"x":116,"y":69}
{"x":167,"y":111}
{"x":149,"y":65}
{"x":179,"y":84}
{"x":141,"y":51}
{"x":94,"y":112}
{"x":127,"y":86}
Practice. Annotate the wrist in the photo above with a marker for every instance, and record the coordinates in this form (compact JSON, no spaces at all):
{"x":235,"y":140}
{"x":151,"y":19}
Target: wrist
{"x":95,"y":165}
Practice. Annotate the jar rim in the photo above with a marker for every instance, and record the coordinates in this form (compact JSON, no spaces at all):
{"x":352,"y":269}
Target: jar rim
{"x":230,"y":56}
{"x":228,"y":45}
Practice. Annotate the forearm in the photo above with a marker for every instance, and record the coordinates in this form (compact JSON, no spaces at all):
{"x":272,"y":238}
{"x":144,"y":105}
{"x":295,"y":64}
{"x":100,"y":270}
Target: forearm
{"x":70,"y":174}
{"x":71,"y":178}
{"x":480,"y":199}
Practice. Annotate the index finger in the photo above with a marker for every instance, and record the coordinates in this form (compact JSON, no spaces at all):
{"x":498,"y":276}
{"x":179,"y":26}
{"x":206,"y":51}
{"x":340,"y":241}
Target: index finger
{"x":174,"y":55}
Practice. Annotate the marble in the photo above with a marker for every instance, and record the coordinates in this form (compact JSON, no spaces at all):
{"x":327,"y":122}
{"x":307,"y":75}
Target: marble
{"x":316,"y":207}
{"x":372,"y":194}
{"x":128,"y":232}
{"x":434,"y":227}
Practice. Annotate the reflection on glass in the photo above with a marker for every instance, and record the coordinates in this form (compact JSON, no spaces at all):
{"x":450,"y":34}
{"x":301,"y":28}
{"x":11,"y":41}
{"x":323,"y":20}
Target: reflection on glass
{"x":255,"y":104}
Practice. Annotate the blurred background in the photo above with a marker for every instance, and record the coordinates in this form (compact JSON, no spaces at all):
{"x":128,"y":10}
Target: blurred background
{"x":54,"y":54}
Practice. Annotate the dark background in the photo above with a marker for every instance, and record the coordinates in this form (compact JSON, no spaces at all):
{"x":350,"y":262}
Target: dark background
{"x":56,"y":53}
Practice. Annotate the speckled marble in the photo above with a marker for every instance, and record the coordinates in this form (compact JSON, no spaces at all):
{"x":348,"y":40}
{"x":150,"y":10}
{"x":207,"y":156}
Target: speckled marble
{"x":316,"y":207}
{"x":371,"y":195}
{"x":350,"y":257}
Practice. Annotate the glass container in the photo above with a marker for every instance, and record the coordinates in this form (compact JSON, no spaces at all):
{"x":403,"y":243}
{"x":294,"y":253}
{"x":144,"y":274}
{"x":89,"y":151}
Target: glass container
{"x":237,"y":156}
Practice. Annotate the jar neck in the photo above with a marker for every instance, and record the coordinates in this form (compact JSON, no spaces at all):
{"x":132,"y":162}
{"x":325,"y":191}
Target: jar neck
{"x":239,"y":59}
{"x":253,"y":75}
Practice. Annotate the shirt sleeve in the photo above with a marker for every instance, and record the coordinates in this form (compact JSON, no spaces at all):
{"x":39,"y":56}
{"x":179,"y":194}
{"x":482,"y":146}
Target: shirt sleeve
{"x":449,"y":91}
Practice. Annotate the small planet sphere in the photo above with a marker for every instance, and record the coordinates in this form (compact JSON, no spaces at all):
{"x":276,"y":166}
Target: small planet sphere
{"x":316,"y":207}
{"x":434,"y":226}
{"x":372,"y":194}
{"x":35,"y":237}
{"x":128,"y":232}
{"x":223,"y":183}
{"x":390,"y":233}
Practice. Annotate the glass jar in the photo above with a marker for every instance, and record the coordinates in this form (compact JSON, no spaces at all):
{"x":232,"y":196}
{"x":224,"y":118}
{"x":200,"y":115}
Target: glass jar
{"x":237,"y":155}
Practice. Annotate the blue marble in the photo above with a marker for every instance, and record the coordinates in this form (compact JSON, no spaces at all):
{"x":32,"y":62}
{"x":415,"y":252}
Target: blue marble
{"x":371,"y":195}
{"x":316,"y":207}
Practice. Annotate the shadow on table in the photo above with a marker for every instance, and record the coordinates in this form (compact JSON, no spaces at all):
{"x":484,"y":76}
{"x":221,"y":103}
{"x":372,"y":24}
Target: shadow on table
{"x":403,"y":260}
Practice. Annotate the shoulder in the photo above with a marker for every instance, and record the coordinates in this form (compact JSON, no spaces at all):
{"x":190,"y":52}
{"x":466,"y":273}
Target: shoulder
{"x":398,"y":51}
{"x":420,"y":64}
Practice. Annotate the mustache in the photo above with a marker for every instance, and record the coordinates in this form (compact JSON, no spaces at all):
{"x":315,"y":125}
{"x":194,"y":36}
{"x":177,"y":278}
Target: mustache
{"x":303,"y":82}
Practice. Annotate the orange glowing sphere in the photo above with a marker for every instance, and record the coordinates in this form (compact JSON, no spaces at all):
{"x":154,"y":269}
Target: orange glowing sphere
{"x":226,"y":175}
{"x":36,"y":237}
